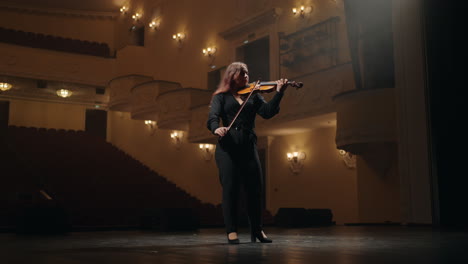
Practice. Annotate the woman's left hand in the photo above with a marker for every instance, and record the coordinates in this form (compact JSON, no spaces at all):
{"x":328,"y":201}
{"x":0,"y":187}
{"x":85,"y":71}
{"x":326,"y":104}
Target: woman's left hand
{"x":281,"y":85}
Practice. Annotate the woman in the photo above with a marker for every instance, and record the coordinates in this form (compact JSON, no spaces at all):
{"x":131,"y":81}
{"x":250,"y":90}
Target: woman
{"x":236,"y":152}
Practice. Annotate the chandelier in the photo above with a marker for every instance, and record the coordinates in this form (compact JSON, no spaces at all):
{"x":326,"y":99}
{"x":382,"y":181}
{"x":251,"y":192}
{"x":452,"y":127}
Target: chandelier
{"x":4,"y":86}
{"x":64,"y":93}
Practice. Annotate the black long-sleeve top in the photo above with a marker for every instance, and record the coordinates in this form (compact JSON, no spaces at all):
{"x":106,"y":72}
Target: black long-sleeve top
{"x":225,"y":106}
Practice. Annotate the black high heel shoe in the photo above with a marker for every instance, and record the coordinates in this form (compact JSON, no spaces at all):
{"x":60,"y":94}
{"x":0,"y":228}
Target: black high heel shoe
{"x":258,"y":235}
{"x":233,"y":241}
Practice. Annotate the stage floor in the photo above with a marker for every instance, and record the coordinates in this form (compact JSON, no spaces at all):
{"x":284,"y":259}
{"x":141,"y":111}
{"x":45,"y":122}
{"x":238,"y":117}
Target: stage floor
{"x":336,"y":244}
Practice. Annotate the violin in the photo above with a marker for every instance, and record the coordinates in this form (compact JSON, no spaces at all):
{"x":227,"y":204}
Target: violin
{"x":266,"y":87}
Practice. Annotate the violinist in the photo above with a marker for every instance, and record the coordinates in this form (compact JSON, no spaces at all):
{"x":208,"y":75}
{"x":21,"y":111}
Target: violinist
{"x":236,"y":151}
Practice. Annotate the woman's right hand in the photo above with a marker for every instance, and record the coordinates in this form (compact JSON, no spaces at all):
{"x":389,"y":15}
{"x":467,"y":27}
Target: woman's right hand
{"x":221,"y":131}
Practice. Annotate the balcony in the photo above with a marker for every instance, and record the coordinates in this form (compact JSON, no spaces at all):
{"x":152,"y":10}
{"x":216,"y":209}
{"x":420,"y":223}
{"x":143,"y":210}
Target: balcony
{"x":144,"y":96}
{"x":175,"y":107}
{"x":120,"y":91}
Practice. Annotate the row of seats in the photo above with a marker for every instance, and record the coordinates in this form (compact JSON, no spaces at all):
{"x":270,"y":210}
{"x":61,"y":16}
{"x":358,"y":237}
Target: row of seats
{"x":41,"y":41}
{"x":89,"y":177}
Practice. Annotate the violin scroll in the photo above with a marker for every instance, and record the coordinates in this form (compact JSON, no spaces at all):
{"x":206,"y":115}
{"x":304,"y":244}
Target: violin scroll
{"x":295,"y":84}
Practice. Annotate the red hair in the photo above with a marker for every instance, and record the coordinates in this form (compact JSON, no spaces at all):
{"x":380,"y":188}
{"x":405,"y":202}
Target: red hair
{"x":230,"y":75}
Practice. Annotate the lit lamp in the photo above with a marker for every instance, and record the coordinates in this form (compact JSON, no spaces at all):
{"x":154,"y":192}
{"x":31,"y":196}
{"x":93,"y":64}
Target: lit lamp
{"x":4,"y":86}
{"x":209,"y":51}
{"x":178,"y":37}
{"x":348,"y":158}
{"x":154,"y":24}
{"x":301,"y":11}
{"x":124,"y":9}
{"x":177,"y":137}
{"x":64,"y":93}
{"x":207,"y":151}
{"x":296,"y":161}
{"x":136,"y":16}
{"x":151,"y":124}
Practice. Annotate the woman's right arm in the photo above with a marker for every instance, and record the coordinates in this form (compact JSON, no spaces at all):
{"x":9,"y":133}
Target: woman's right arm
{"x":214,"y":115}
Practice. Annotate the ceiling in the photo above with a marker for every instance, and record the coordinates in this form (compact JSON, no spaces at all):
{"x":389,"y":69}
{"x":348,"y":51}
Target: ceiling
{"x":82,"y":5}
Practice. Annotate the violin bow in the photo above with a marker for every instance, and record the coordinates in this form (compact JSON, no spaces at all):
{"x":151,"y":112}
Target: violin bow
{"x":242,"y":107}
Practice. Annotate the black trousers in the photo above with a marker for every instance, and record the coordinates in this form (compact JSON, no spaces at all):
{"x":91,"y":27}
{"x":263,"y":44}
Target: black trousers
{"x":239,"y":166}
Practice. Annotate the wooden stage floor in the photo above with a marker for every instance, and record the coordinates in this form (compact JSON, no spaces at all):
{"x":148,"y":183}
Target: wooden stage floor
{"x":335,"y":244}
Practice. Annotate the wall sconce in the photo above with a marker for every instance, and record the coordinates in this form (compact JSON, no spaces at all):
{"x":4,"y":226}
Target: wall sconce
{"x":124,"y":9}
{"x":136,"y":16}
{"x":4,"y":86}
{"x":348,"y":158}
{"x":209,"y":51}
{"x":301,"y":11}
{"x":207,"y":151}
{"x":151,"y":124}
{"x":177,"y":137}
{"x":178,"y":37}
{"x":64,"y":93}
{"x":154,"y":24}
{"x":296,"y":161}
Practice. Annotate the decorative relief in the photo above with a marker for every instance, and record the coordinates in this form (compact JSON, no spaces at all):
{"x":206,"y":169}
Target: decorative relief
{"x":310,"y":49}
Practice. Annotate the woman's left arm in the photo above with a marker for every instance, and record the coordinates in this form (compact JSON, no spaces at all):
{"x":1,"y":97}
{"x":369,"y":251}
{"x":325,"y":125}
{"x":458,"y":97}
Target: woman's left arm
{"x":269,"y":109}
